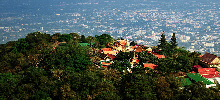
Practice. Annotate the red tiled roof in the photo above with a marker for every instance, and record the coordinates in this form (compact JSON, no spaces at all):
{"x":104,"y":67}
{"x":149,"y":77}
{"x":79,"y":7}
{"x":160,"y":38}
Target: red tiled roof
{"x":104,"y":63}
{"x":193,"y":72}
{"x":211,"y":75}
{"x":207,"y":73}
{"x":207,"y":57}
{"x":132,"y":47}
{"x":104,"y":66}
{"x":208,"y":76}
{"x":122,"y":42}
{"x":206,"y":70}
{"x":106,"y":49}
{"x":138,"y":49}
{"x":201,"y":55}
{"x":110,"y":56}
{"x":158,"y":55}
{"x":150,"y":65}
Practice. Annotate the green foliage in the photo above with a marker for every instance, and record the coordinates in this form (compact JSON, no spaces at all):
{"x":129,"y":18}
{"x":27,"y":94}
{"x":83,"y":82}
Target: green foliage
{"x":65,"y":37}
{"x":36,"y":37}
{"x":168,"y":87}
{"x":121,"y":66}
{"x":133,"y":43}
{"x":137,"y":86}
{"x":107,"y":95}
{"x":90,"y":39}
{"x":21,"y":46}
{"x":104,"y":39}
{"x":33,"y":68}
{"x":8,"y":85}
{"x":13,"y":62}
{"x":64,"y":57}
{"x":75,"y":36}
{"x":173,"y":42}
{"x":124,"y":56}
{"x":198,"y":91}
{"x":163,"y":43}
{"x":83,"y":39}
{"x":169,"y":65}
{"x":89,"y":84}
{"x":145,"y":57}
{"x":55,"y":37}
{"x":8,"y":47}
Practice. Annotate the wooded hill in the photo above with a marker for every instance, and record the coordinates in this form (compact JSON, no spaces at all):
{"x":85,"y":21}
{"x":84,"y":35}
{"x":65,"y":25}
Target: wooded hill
{"x":44,"y":66}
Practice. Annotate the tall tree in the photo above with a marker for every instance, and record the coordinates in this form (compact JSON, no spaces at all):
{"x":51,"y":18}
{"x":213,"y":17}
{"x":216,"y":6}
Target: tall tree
{"x":173,"y":42}
{"x":90,"y":39}
{"x":133,"y":43}
{"x":163,"y":42}
{"x":55,"y":37}
{"x":104,"y":39}
{"x":83,"y":39}
{"x":65,"y":37}
{"x":75,"y":36}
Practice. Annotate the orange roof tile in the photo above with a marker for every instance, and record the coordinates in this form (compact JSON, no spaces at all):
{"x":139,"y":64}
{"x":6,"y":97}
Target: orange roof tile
{"x":111,"y":56}
{"x":111,"y":52}
{"x":206,"y":70}
{"x":158,"y":55}
{"x":150,"y":65}
{"x":122,"y":42}
{"x":106,"y":49}
{"x":201,"y":55}
{"x":133,"y":47}
{"x":104,"y":63}
{"x":138,"y":49}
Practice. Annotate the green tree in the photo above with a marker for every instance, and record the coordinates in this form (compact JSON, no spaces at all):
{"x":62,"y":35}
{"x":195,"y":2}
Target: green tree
{"x":163,"y":42}
{"x":173,"y":42}
{"x":70,"y":56}
{"x":145,"y":57}
{"x":121,"y":65}
{"x":168,"y":87}
{"x":194,"y":58}
{"x":198,"y":91}
{"x":55,"y":37}
{"x":89,"y":84}
{"x":124,"y":56}
{"x":65,"y":37}
{"x":83,"y":39}
{"x":35,"y":84}
{"x":8,"y":85}
{"x":104,"y":39}
{"x":168,"y":65}
{"x":13,"y":62}
{"x":36,"y":37}
{"x":137,"y":86}
{"x":133,"y":43}
{"x":75,"y":36}
{"x":90,"y":39}
{"x":21,"y":46}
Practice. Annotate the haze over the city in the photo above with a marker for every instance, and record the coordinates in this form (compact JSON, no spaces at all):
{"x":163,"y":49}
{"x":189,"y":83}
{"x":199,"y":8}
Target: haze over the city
{"x":195,"y":22}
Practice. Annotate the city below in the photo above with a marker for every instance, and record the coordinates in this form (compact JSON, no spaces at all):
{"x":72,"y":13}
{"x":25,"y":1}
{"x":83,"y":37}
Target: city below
{"x":196,"y":23}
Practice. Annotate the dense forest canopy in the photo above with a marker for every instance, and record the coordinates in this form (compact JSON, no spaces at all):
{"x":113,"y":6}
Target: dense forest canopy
{"x":44,"y":66}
